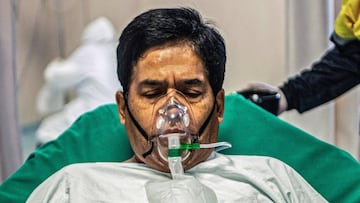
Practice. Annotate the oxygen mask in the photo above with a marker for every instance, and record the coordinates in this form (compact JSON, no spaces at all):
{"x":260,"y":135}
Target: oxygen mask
{"x":172,"y":130}
{"x":176,"y":138}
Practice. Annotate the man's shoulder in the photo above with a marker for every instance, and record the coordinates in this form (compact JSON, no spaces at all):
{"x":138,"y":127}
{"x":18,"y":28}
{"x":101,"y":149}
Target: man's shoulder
{"x":261,"y":166}
{"x":250,"y":160}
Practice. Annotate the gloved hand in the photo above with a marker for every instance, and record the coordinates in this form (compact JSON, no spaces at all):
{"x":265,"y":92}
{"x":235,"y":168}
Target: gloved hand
{"x":347,"y":23}
{"x":268,"y":97}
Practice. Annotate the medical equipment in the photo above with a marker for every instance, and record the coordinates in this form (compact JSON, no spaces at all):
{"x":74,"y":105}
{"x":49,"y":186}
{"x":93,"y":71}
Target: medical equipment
{"x":243,"y":127}
{"x":266,"y":99}
{"x":175,"y":141}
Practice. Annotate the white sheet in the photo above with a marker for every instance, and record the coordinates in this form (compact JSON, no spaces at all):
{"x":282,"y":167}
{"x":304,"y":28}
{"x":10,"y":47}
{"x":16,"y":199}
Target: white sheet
{"x":232,"y":178}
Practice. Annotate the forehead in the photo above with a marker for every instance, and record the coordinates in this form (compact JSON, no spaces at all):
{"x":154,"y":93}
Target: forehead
{"x":172,"y":60}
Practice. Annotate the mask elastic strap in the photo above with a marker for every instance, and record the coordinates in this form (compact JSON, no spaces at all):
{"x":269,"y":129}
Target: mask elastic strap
{"x":204,"y":125}
{"x":144,"y":134}
{"x":140,"y":129}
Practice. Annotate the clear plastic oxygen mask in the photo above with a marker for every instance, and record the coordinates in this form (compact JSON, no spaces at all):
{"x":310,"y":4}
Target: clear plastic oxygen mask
{"x":173,"y":127}
{"x":172,"y":124}
{"x":175,"y":141}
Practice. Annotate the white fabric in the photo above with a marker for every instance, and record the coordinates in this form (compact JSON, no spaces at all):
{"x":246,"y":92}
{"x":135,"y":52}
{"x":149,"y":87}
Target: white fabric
{"x":90,"y":71}
{"x":231,"y":178}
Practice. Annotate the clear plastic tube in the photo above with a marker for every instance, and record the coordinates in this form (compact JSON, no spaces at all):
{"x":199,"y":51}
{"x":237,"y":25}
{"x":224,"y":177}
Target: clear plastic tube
{"x":218,"y":146}
{"x":174,"y":157}
{"x":174,"y":153}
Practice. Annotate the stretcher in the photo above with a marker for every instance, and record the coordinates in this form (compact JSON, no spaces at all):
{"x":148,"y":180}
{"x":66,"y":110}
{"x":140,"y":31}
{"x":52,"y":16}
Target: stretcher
{"x":98,"y":136}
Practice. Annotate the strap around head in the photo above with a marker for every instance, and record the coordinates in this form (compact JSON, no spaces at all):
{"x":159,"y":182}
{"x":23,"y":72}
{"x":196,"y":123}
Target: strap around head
{"x":140,"y":129}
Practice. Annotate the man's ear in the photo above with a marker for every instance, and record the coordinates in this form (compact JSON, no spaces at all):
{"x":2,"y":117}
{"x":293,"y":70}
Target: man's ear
{"x":220,"y":103}
{"x":120,"y":100}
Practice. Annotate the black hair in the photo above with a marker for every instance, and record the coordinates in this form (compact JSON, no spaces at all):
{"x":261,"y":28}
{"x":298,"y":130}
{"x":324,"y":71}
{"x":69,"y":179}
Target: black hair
{"x":160,"y":26}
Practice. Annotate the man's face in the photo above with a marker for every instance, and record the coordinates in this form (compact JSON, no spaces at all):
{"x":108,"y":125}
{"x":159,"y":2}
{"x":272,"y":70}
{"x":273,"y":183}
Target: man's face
{"x":163,"y":72}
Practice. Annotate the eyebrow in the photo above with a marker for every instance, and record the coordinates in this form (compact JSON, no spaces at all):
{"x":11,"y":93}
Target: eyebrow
{"x":193,"y":82}
{"x":149,"y":82}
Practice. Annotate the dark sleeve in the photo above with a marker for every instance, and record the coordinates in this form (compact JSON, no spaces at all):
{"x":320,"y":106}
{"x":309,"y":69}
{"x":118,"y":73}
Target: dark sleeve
{"x":336,"y":72}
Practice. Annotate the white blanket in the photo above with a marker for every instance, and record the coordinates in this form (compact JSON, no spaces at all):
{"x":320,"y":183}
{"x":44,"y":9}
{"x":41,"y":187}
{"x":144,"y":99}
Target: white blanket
{"x":231,"y":178}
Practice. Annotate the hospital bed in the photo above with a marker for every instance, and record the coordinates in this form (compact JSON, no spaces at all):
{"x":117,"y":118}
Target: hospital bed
{"x":98,"y":136}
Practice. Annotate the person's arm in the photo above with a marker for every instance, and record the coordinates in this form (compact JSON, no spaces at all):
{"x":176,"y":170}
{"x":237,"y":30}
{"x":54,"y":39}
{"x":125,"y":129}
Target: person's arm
{"x":337,"y":72}
{"x":64,"y":74}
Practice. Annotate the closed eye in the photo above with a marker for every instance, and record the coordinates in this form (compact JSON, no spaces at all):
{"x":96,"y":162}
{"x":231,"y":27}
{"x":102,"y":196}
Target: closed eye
{"x":152,"y":94}
{"x":192,"y":94}
{"x":193,"y":88}
{"x":151,"y":88}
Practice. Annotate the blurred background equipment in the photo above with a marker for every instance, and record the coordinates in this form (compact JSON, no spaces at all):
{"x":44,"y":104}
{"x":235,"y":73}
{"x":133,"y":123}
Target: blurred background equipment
{"x":266,"y":99}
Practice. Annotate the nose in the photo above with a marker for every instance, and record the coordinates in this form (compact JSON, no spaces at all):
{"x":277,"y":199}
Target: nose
{"x":175,"y":95}
{"x":175,"y":115}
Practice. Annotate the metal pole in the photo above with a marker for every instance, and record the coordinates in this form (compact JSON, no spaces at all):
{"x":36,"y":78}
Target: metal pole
{"x":10,"y":145}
